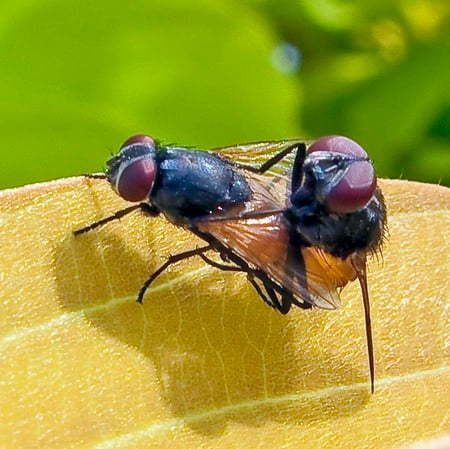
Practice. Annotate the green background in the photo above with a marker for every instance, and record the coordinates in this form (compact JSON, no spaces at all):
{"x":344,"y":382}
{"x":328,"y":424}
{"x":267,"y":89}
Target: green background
{"x":77,"y":78}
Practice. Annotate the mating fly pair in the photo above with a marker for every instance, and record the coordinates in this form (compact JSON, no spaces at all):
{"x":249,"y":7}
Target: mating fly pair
{"x":299,"y":224}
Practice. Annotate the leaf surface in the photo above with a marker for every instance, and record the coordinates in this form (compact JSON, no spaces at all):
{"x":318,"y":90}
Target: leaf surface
{"x":204,"y":362}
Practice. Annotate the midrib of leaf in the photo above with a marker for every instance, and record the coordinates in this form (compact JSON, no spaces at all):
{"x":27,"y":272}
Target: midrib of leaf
{"x":107,"y":306}
{"x":153,"y":430}
{"x":156,"y":429}
{"x":66,"y":318}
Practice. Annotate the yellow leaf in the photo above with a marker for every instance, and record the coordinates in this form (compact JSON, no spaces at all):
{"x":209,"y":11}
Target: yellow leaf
{"x":204,"y":362}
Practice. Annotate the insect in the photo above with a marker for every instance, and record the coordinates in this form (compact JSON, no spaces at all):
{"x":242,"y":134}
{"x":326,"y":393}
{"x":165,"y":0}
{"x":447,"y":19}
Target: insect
{"x":299,"y":224}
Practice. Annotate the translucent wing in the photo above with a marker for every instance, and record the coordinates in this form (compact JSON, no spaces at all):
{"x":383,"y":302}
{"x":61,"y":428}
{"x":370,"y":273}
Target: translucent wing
{"x":264,"y":242}
{"x":257,"y":153}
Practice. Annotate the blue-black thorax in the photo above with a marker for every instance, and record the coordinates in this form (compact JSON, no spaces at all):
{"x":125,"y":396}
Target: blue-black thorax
{"x":191,"y":184}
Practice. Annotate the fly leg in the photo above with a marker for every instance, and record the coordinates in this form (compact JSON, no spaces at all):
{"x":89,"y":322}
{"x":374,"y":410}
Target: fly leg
{"x":171,"y":260}
{"x":281,"y":299}
{"x":279,"y":296}
{"x":94,"y":175}
{"x":251,"y":274}
{"x":272,"y":290}
{"x":221,"y":266}
{"x":272,"y":302}
{"x":261,"y":294}
{"x":301,"y":152}
{"x":144,"y":207}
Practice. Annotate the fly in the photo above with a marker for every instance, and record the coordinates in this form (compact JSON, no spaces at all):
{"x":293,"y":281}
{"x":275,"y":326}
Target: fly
{"x":300,"y":224}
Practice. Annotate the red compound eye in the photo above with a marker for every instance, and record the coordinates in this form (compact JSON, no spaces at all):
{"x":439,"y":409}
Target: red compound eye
{"x":133,"y":171}
{"x":142,"y":139}
{"x":136,"y":180}
{"x":357,"y":186}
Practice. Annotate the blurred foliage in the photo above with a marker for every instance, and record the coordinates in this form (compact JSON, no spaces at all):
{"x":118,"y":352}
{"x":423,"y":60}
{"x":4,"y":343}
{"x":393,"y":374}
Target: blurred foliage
{"x":77,"y":78}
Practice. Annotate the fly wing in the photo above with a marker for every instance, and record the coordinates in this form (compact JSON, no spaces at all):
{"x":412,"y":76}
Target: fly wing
{"x":257,"y":153}
{"x":264,"y":242}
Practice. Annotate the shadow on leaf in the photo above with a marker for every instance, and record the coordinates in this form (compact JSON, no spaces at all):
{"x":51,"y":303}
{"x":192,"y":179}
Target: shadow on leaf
{"x":218,"y":352}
